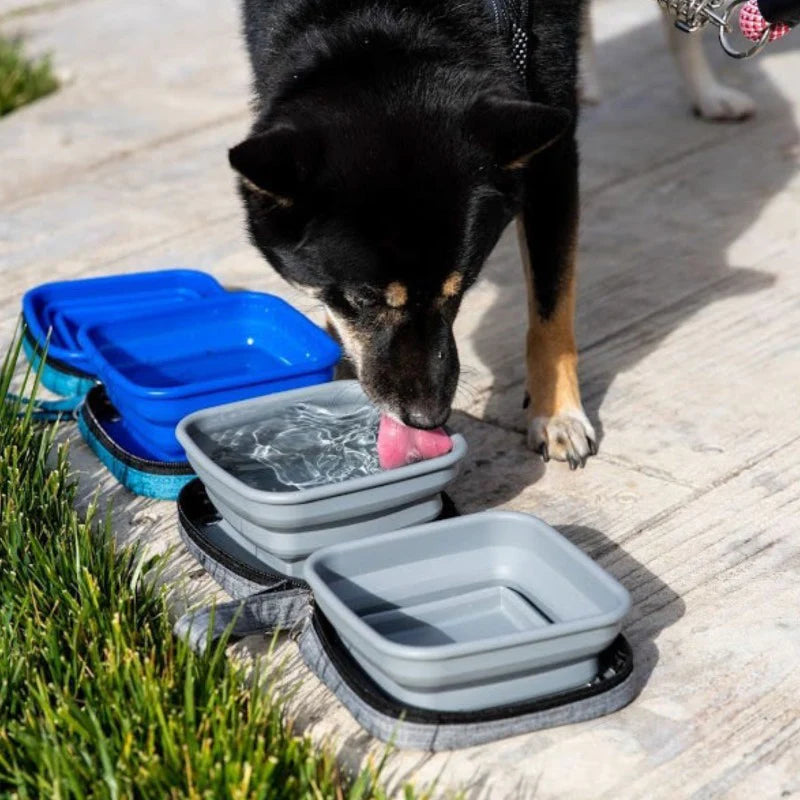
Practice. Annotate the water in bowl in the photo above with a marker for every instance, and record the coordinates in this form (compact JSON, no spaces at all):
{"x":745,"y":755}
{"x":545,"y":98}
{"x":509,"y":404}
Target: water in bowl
{"x":300,"y":446}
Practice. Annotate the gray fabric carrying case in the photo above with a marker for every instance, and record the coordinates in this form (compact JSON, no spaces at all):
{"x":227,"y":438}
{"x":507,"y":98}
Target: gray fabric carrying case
{"x":266,"y":601}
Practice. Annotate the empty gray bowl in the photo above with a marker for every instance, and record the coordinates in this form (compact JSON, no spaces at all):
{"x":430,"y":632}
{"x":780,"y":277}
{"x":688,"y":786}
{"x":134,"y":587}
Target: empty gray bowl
{"x":284,"y":527}
{"x":470,"y":613}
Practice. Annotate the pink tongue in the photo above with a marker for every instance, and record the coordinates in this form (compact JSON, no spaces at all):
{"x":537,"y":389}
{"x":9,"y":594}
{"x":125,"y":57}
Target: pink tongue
{"x":399,"y":445}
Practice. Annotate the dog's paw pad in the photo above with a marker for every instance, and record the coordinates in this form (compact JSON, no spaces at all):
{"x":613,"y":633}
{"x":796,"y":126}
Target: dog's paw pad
{"x":568,"y":436}
{"x":723,"y":104}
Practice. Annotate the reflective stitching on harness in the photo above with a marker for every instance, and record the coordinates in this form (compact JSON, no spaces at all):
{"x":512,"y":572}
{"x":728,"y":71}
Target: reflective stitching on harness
{"x":512,"y":18}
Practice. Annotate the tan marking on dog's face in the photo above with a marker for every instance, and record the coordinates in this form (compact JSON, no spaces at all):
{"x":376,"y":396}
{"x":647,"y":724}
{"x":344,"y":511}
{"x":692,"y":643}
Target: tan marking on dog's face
{"x":452,"y":286}
{"x":351,"y":339}
{"x":396,"y":294}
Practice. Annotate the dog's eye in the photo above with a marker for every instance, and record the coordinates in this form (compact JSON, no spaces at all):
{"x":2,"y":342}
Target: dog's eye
{"x":363,"y":300}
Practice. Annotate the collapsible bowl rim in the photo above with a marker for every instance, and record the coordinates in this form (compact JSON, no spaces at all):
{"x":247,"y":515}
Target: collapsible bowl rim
{"x":202,"y":462}
{"x":330,"y":602}
{"x":327,"y":350}
{"x":67,"y":356}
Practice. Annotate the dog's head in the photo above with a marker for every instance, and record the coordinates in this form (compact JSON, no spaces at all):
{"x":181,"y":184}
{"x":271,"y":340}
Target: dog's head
{"x":387,"y":218}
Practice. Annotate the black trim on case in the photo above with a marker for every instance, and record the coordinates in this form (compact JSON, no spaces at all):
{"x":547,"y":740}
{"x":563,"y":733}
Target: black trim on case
{"x":196,"y":511}
{"x":97,"y":407}
{"x":616,"y":665}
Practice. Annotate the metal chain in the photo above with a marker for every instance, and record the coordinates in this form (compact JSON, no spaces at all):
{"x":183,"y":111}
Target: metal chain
{"x":692,"y":15}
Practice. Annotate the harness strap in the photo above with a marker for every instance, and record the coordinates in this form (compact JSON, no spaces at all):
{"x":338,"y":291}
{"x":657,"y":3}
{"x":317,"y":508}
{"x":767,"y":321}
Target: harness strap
{"x":263,"y":613}
{"x":512,"y":19}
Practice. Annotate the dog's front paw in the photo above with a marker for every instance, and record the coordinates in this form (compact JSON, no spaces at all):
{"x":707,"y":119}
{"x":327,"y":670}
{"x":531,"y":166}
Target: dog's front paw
{"x":568,"y":436}
{"x":720,"y":103}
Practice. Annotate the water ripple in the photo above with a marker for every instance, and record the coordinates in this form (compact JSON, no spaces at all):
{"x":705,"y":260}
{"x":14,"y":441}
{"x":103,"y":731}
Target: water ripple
{"x":301,"y":446}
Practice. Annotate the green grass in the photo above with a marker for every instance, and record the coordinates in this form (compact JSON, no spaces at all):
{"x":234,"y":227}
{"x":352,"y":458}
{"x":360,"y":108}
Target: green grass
{"x":98,"y":699}
{"x":22,"y":80}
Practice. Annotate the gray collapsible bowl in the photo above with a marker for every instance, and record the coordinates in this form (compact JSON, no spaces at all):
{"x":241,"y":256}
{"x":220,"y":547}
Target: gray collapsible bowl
{"x":277,"y":550}
{"x":470,"y":613}
{"x":283,"y":528}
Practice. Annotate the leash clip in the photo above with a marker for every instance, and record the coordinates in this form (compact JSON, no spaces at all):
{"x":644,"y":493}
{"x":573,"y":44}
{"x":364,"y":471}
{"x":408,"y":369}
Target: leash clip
{"x":693,"y":15}
{"x":725,"y":32}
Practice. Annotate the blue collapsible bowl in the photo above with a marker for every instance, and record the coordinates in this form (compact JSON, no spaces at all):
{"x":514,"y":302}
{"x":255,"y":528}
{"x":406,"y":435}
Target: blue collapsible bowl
{"x":160,"y":368}
{"x":62,"y":308}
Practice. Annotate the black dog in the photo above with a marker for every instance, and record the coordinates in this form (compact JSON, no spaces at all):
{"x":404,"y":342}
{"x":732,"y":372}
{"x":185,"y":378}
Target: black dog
{"x":394,"y":141}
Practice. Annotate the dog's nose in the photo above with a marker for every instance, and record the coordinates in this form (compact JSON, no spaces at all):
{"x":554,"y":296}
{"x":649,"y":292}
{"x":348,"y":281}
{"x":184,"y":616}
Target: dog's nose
{"x":426,"y":420}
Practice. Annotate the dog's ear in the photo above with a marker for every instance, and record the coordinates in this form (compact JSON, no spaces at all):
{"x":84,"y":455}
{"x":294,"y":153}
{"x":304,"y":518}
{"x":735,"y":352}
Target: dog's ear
{"x":278,"y":162}
{"x":515,"y":130}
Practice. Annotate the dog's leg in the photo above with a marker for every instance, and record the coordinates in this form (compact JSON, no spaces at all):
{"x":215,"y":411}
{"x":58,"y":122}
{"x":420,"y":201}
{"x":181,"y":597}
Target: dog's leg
{"x":557,"y":425}
{"x":710,"y":99}
{"x":589,"y":80}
